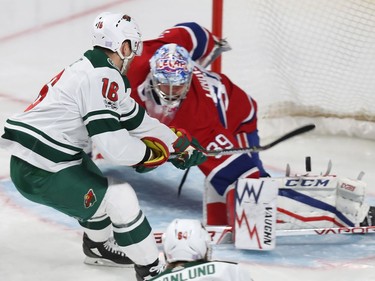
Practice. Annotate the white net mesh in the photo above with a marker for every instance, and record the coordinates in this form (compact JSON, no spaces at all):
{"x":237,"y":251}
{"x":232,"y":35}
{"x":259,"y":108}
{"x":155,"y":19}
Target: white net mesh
{"x":305,"y":60}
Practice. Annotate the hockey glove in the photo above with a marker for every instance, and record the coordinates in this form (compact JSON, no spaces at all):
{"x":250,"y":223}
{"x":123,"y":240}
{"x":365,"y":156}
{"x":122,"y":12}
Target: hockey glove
{"x":191,"y":152}
{"x":159,"y":154}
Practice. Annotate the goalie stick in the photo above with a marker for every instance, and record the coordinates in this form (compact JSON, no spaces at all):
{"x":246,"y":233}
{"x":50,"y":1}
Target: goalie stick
{"x":223,"y":234}
{"x":295,"y":132}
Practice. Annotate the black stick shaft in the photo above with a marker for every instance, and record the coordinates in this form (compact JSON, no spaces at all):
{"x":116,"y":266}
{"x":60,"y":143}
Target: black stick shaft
{"x":291,"y":134}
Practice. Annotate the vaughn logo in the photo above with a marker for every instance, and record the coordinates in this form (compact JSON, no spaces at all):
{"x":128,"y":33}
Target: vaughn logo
{"x":89,"y":198}
{"x":267,"y":236}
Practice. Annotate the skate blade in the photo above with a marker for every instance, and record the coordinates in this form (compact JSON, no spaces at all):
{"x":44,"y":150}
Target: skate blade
{"x":104,"y":262}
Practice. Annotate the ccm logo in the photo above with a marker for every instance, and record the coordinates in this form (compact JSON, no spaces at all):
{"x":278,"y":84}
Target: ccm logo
{"x":307,"y":182}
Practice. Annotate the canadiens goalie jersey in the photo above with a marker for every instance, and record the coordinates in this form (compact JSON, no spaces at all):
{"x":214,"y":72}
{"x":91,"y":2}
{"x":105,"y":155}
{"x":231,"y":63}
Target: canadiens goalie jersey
{"x":216,"y":111}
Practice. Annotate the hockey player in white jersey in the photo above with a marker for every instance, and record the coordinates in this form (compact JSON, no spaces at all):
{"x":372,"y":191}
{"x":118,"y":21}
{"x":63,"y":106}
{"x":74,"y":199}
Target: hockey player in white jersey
{"x":187,"y":252}
{"x":89,"y":101}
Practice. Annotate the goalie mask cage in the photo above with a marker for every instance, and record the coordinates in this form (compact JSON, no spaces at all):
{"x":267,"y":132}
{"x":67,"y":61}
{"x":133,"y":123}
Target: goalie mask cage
{"x":305,"y":61}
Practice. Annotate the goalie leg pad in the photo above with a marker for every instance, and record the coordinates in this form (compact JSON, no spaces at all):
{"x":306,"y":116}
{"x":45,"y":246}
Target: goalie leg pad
{"x":307,"y":202}
{"x":255,"y":225}
{"x":351,"y":200}
{"x":214,"y":206}
{"x":320,"y":201}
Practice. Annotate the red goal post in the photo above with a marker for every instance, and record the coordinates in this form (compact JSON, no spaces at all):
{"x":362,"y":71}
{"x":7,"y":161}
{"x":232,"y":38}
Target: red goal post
{"x":217,"y":28}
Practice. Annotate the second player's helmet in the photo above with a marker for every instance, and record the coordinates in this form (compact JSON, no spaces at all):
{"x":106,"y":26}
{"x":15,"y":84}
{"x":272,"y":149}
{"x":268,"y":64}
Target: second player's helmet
{"x":171,"y":72}
{"x":110,"y":30}
{"x":186,"y":240}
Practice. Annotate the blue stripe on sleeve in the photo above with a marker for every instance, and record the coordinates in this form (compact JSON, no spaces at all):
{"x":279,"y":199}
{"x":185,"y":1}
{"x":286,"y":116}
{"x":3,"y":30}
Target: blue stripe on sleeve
{"x":230,"y":173}
{"x":201,"y":38}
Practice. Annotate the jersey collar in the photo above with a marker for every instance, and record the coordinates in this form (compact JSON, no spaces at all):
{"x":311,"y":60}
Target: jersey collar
{"x":98,"y":58}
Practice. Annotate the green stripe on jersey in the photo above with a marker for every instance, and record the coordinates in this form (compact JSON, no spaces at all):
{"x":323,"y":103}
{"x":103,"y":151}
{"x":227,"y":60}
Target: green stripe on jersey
{"x":98,"y":58}
{"x":135,"y":235}
{"x":133,"y":122}
{"x":101,"y":112}
{"x":43,"y":135}
{"x":38,"y":146}
{"x":96,"y":225}
{"x":101,"y":121}
{"x":99,"y":126}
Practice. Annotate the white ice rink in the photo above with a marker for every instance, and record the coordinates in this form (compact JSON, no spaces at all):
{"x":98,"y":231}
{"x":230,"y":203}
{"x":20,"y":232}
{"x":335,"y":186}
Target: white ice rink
{"x":37,"y":39}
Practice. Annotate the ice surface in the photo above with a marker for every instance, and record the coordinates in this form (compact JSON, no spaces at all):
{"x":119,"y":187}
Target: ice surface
{"x":37,"y":243}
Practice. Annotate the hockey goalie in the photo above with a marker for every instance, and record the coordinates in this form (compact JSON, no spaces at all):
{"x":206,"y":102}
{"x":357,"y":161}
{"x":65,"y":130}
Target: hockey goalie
{"x":265,"y":208}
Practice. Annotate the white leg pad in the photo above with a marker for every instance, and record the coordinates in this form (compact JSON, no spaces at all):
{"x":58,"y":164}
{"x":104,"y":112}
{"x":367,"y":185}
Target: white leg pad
{"x":320,"y":201}
{"x":350,"y":201}
{"x":255,"y":223}
{"x":307,"y":202}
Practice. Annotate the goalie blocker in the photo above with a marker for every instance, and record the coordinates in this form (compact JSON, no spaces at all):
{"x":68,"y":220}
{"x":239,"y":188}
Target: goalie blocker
{"x":302,"y":202}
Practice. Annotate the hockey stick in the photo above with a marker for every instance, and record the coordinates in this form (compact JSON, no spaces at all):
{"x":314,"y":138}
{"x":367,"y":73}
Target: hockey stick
{"x":223,"y":234}
{"x":295,"y":132}
{"x":182,"y":182}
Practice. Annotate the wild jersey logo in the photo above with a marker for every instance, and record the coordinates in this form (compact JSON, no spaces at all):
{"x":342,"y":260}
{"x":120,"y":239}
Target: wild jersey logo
{"x":89,"y":199}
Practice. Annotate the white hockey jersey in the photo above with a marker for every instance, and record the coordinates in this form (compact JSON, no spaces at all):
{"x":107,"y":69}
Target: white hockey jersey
{"x":205,"y":271}
{"x":88,"y":101}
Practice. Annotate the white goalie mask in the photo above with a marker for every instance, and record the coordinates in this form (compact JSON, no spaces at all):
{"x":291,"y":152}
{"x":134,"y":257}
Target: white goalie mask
{"x":110,"y":30}
{"x":186,"y":240}
{"x":171,"y":72}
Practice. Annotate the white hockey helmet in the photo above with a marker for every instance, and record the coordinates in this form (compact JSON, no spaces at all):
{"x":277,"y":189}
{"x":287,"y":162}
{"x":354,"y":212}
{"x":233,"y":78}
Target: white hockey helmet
{"x":110,"y":30}
{"x":171,"y":72}
{"x":186,"y":240}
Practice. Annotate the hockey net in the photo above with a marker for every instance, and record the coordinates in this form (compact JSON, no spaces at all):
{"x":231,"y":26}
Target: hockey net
{"x":305,"y":61}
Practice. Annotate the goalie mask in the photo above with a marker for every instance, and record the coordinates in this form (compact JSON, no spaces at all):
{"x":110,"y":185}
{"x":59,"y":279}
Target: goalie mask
{"x":171,"y":73}
{"x":111,"y":30}
{"x":186,"y":240}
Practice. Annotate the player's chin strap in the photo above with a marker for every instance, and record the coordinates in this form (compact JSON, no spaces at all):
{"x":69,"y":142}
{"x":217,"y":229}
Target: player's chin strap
{"x":125,"y":60}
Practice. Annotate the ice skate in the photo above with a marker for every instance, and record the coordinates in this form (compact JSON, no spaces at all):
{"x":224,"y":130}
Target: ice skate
{"x":106,"y":253}
{"x":370,"y":218}
{"x":146,"y":272}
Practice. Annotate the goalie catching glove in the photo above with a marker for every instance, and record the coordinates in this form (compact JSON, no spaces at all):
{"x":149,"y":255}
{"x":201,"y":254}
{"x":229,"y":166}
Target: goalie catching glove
{"x":191,"y":153}
{"x":157,"y":152}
